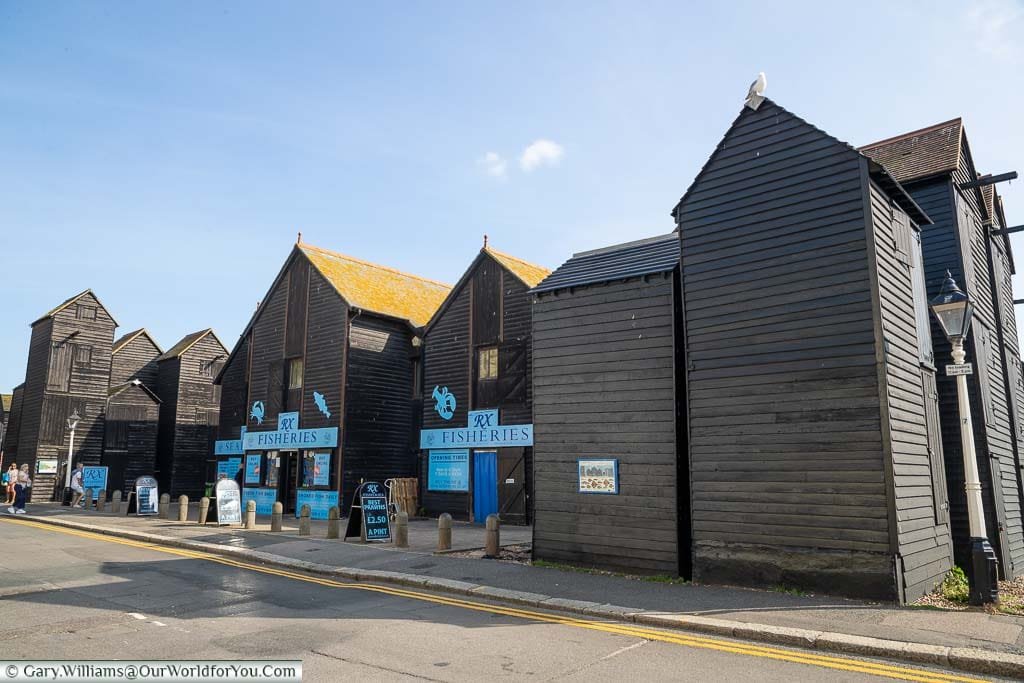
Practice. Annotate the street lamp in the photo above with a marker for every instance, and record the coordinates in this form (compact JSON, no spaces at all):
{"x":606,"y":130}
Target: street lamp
{"x":72,"y":423}
{"x":952,"y":308}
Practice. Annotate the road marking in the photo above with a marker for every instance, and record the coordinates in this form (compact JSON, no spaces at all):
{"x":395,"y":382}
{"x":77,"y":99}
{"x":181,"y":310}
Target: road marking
{"x":622,"y":650}
{"x":685,"y":639}
{"x":136,"y":615}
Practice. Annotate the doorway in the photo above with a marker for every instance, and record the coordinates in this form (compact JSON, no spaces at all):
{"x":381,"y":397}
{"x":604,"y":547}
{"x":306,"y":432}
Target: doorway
{"x":485,"y":485}
{"x":289,"y":479}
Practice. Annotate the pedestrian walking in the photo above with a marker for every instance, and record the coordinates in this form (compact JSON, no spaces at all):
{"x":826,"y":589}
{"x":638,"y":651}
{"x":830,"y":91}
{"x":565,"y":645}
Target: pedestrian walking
{"x":24,"y":483}
{"x":76,"y":486}
{"x":9,"y":480}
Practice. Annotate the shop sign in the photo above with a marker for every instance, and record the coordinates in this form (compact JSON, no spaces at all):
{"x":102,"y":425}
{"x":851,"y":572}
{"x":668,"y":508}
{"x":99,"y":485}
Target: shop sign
{"x":325,"y":437}
{"x":448,"y":470}
{"x":229,"y":504}
{"x":321,"y":469}
{"x":265,"y":499}
{"x":287,"y":422}
{"x":486,"y":437}
{"x":252,"y":468}
{"x":228,"y":467}
{"x":95,"y":478}
{"x":229,"y":446}
{"x":319,"y":502}
{"x":598,"y":476}
{"x":368,"y":516}
{"x":146,"y":496}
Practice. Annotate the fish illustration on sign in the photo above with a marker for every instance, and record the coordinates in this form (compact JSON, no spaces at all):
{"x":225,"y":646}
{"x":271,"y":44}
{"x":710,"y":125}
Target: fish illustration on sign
{"x":257,"y":412}
{"x":444,"y":402}
{"x":321,"y":404}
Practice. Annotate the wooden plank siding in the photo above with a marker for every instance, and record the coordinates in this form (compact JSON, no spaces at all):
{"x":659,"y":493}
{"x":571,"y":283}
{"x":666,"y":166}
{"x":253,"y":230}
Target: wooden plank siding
{"x":234,"y":392}
{"x":135,"y":360}
{"x":130,"y":430}
{"x":13,"y":431}
{"x":791,"y":413}
{"x":604,"y":387}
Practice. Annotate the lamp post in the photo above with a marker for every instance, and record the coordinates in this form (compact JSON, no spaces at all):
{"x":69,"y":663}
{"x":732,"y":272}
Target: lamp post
{"x":952,"y":308}
{"x":72,"y":423}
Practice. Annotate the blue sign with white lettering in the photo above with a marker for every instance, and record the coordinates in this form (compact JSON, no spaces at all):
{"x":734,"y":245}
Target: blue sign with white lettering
{"x":325,"y":437}
{"x":265,"y":499}
{"x":252,"y":468}
{"x":448,"y":470}
{"x":227,"y":447}
{"x":319,"y":502}
{"x":287,"y":422}
{"x":95,"y":478}
{"x":228,"y":467}
{"x":493,"y":437}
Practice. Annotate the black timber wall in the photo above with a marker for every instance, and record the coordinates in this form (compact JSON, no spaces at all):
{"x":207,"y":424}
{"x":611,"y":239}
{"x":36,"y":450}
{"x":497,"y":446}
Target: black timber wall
{"x":135,"y":360}
{"x":10,"y":444}
{"x":379,"y":403}
{"x":788,"y":472}
{"x":234,"y":393}
{"x":604,"y":387}
{"x":924,"y":542}
{"x":134,"y":412}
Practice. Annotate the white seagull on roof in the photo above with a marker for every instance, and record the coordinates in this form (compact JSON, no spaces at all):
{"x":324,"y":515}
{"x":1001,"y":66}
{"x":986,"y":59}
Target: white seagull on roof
{"x":756,"y":93}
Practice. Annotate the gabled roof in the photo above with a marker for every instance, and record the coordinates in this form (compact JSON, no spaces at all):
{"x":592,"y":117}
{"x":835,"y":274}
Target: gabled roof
{"x":878,"y":172}
{"x":125,"y":339}
{"x":632,"y":259}
{"x":920,"y":153}
{"x":378,"y":289}
{"x":5,"y":402}
{"x":186,"y":343}
{"x":113,"y":391}
{"x":54,"y":311}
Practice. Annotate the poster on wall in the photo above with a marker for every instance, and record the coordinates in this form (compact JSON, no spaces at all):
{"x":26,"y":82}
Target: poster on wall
{"x":448,"y":470}
{"x":228,"y":468}
{"x":319,"y":502}
{"x":95,"y":478}
{"x":321,"y":469}
{"x":46,"y":466}
{"x":598,"y":476}
{"x":265,"y":499}
{"x":252,"y":468}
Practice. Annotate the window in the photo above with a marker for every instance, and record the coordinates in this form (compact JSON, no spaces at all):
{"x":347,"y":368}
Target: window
{"x":85,"y":312}
{"x":83,"y":355}
{"x":211,"y":368}
{"x":295,"y":374}
{"x":487,"y":363}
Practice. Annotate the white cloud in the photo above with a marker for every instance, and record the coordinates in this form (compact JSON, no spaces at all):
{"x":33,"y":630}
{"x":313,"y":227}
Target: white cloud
{"x":493,"y":164}
{"x":996,"y":26}
{"x":541,"y":153}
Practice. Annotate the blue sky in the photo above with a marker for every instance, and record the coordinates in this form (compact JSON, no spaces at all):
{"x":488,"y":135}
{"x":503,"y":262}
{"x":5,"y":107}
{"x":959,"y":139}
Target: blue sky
{"x":165,"y":154}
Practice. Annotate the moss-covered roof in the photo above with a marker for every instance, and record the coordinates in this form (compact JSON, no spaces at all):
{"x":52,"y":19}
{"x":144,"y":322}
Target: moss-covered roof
{"x":528,"y":273}
{"x":378,"y":289}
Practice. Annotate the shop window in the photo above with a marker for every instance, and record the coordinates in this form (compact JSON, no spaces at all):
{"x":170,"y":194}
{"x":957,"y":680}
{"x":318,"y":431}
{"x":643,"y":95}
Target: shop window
{"x":273,"y":468}
{"x":487,"y":363}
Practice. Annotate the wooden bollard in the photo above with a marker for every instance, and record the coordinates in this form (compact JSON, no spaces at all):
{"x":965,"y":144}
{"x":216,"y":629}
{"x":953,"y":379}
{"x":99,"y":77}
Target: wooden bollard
{"x":250,"y":514}
{"x":444,"y":532}
{"x":183,"y":508}
{"x":101,"y":500}
{"x":115,"y":503}
{"x":304,"y":521}
{"x":204,"y":509}
{"x":402,"y":529}
{"x":492,"y":540}
{"x":165,"y":506}
{"x":276,"y":517}
{"x":87,"y":499}
{"x":333,"y":523}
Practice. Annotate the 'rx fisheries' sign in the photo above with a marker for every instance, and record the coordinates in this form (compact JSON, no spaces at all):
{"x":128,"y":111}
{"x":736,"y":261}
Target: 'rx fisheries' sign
{"x":325,"y":437}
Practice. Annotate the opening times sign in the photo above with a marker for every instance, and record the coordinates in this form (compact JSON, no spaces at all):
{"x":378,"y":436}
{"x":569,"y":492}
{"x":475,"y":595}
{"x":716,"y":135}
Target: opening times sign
{"x":448,"y":470}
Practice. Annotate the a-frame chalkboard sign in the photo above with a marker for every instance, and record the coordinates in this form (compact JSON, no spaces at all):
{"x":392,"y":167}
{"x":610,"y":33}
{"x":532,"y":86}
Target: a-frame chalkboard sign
{"x":368,"y":516}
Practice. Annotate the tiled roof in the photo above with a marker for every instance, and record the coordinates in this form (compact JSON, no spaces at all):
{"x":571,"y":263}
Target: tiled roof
{"x":920,"y":153}
{"x":124,"y":339}
{"x":67,"y":302}
{"x":186,"y":343}
{"x":5,"y":401}
{"x":632,"y":259}
{"x":528,"y":273}
{"x":378,"y":289}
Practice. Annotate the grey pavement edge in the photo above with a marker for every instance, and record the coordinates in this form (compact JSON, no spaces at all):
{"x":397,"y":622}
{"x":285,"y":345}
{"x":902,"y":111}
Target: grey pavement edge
{"x":974,"y":660}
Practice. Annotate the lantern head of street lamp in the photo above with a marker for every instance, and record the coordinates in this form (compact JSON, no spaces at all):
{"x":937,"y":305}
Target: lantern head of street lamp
{"x":73,"y":419}
{"x":952,"y":308}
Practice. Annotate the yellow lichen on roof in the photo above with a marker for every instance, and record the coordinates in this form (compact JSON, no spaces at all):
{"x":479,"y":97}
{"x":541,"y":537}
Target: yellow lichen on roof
{"x":530,"y":274}
{"x":5,"y":401}
{"x":378,"y":289}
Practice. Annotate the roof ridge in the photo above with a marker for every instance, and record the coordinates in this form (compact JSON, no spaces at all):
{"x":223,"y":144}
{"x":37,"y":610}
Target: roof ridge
{"x":330,"y":252}
{"x":623,"y":245}
{"x":492,"y":250}
{"x":903,"y":136}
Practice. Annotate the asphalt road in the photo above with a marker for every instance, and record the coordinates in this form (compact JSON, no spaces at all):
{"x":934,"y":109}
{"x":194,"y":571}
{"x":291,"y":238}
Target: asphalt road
{"x":68,"y":595}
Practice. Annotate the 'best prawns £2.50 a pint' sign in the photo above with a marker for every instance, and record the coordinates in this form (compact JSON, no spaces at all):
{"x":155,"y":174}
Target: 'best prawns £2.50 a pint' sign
{"x":370,"y":511}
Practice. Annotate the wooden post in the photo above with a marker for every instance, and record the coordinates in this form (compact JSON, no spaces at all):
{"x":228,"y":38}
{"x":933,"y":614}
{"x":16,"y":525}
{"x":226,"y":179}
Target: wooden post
{"x":304,"y":521}
{"x":101,"y":500}
{"x":115,"y":502}
{"x":444,"y":532}
{"x":276,"y":516}
{"x":250,"y":514}
{"x":332,"y":522}
{"x":183,"y":508}
{"x":165,"y":505}
{"x":492,"y":542}
{"x":402,"y":529}
{"x":87,"y":499}
{"x":204,"y":509}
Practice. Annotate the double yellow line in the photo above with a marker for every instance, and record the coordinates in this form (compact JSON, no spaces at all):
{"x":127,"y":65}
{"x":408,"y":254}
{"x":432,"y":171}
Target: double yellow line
{"x":721,"y":645}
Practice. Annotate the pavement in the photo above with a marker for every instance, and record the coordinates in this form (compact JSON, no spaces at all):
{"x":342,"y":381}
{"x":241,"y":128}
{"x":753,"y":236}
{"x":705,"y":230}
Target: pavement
{"x":72,"y":596}
{"x":972,"y":640}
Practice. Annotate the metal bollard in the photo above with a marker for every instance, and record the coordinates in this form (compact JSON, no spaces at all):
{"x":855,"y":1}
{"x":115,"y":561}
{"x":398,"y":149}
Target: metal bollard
{"x":250,"y":515}
{"x":183,"y":508}
{"x":333,"y":524}
{"x":304,"y":521}
{"x":277,"y":517}
{"x":87,"y":499}
{"x":101,"y":500}
{"x":165,"y":505}
{"x":444,"y":532}
{"x":204,"y":509}
{"x":115,"y":503}
{"x":492,"y":542}
{"x":402,"y":530}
